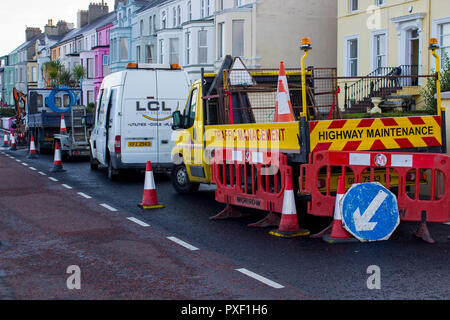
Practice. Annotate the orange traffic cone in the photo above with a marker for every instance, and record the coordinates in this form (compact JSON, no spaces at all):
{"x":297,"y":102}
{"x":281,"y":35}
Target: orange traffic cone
{"x":32,"y":154}
{"x":283,"y":106}
{"x":289,"y":222}
{"x":5,"y":141}
{"x":150,"y":198}
{"x":63,"y":129}
{"x":338,"y":233}
{"x":13,"y":142}
{"x":57,"y":163}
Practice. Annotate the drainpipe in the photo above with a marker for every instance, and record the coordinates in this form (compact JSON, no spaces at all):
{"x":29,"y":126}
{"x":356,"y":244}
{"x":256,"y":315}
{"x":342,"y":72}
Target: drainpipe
{"x":429,"y":34}
{"x":254,"y":33}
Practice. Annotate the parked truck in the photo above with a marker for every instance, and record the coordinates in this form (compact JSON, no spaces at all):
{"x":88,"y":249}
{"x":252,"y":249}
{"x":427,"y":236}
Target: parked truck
{"x":43,"y":120}
{"x":227,"y":136}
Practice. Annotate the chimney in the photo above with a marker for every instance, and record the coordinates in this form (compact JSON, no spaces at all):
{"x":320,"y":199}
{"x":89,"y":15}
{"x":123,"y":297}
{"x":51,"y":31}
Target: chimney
{"x":50,"y":29}
{"x":62,"y":27}
{"x":82,"y":18}
{"x":116,"y":4}
{"x":31,"y":32}
{"x":97,"y":10}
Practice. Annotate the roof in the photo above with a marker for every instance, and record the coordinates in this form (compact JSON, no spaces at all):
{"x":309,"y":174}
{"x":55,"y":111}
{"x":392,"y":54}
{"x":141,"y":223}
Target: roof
{"x":55,"y":38}
{"x":100,"y":22}
{"x":29,"y":43}
{"x":150,"y":4}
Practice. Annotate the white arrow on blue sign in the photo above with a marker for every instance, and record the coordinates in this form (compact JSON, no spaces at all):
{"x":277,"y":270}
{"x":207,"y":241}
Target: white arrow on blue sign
{"x":370,"y":212}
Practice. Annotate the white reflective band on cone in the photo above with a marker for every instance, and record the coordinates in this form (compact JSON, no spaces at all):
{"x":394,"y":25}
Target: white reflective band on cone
{"x":283,"y":103}
{"x":63,"y":123}
{"x":57,"y":155}
{"x":285,"y":84}
{"x":338,"y":208}
{"x":289,"y":203}
{"x":149,"y":182}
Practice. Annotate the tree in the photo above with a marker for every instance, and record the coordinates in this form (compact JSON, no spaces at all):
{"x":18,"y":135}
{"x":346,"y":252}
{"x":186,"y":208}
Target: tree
{"x":429,"y":91}
{"x":65,"y":79}
{"x":79,"y":74}
{"x":51,"y":71}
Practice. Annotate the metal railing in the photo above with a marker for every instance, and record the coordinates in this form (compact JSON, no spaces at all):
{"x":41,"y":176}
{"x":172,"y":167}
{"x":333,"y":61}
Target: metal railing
{"x":379,"y":83}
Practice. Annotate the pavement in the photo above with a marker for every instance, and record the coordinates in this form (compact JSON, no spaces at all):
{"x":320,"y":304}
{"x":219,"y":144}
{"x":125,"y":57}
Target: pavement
{"x":49,"y":222}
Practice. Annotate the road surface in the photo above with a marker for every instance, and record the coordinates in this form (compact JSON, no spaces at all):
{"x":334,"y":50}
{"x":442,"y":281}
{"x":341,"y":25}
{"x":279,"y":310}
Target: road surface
{"x":49,"y":222}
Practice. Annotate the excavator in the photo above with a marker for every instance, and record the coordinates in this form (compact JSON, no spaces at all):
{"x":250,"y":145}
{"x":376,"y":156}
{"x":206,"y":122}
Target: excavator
{"x":19,"y":125}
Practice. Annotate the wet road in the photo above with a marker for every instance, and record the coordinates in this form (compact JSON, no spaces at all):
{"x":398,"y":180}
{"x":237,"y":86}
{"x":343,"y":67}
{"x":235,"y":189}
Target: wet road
{"x":304,"y":268}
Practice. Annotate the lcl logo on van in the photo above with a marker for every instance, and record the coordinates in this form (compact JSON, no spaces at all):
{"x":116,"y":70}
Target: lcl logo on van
{"x":153,"y":106}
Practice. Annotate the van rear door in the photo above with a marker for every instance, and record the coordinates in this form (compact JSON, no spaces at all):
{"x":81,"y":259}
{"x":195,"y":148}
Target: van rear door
{"x":139,"y":133}
{"x":173,"y":89}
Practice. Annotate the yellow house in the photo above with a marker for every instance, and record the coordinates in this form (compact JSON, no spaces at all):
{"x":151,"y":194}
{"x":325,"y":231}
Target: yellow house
{"x":379,"y":37}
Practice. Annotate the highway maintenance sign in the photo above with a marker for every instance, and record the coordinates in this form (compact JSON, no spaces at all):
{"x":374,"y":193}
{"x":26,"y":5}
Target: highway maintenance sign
{"x":376,"y":134}
{"x":370,"y":212}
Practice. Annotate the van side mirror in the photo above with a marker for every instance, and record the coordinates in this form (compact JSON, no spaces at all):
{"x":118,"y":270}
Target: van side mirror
{"x":177,"y":120}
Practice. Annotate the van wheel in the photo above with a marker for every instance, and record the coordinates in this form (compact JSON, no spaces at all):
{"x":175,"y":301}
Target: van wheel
{"x":180,"y":180}
{"x":113,"y":174}
{"x":93,"y":162}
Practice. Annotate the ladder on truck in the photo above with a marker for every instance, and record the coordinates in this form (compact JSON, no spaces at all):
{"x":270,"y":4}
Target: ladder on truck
{"x":79,"y":130}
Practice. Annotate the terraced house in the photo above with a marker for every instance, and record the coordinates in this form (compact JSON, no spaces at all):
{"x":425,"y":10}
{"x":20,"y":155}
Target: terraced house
{"x":123,"y":34}
{"x":200,"y":33}
{"x":378,"y":37}
{"x":77,"y":46}
{"x":52,"y":35}
{"x":195,"y":34}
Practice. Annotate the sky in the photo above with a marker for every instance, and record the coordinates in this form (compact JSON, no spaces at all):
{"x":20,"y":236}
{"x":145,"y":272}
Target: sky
{"x":19,"y":14}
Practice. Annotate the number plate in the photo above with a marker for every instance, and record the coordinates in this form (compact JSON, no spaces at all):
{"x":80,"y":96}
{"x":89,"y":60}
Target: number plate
{"x":139,"y":144}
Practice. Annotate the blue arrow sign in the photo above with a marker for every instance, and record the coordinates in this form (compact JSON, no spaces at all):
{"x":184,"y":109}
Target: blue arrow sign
{"x":370,"y":212}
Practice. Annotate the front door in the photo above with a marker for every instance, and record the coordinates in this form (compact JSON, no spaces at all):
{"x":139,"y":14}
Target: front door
{"x":414,"y":47}
{"x":193,"y":117}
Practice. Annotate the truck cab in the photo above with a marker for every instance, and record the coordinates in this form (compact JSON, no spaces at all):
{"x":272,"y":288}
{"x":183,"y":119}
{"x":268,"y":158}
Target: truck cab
{"x":190,"y":168}
{"x":215,"y":118}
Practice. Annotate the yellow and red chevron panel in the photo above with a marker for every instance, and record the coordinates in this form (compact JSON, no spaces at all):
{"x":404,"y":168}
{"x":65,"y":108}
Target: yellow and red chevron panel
{"x":375,"y":134}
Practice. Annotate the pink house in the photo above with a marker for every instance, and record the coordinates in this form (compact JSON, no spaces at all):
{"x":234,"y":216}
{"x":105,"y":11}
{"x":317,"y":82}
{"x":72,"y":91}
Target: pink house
{"x":101,"y":56}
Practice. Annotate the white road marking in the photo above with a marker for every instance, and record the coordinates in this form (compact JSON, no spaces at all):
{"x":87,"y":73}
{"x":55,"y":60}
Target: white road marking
{"x":260,"y":278}
{"x":139,"y":222}
{"x":18,"y":160}
{"x":25,"y":164}
{"x":104,"y":205}
{"x":84,"y":195}
{"x":42,"y":174}
{"x":34,"y":169}
{"x":67,"y":186}
{"x":182,"y":243}
{"x":53,"y":179}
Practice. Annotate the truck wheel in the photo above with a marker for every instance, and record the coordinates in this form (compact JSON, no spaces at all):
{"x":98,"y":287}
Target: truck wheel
{"x":180,"y":180}
{"x":93,"y":162}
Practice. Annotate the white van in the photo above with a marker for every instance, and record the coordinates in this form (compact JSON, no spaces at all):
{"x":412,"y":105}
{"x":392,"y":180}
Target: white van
{"x":133,"y":117}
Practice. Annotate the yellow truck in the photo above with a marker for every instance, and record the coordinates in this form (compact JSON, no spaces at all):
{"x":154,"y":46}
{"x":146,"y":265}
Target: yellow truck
{"x":229,"y":118}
